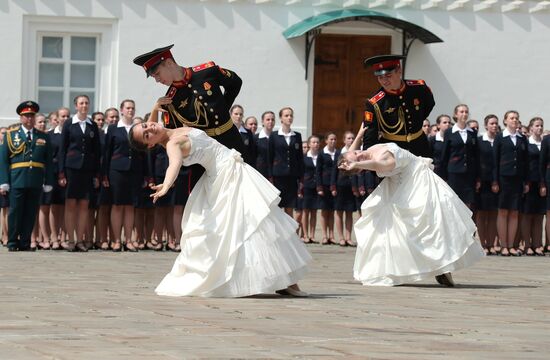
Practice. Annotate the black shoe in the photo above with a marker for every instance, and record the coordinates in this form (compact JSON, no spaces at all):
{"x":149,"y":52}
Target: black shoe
{"x":11,"y":248}
{"x":445,"y":279}
{"x":27,"y":248}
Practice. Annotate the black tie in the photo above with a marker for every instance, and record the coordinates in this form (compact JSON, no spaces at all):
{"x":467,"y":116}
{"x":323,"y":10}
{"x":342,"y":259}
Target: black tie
{"x":29,"y":139}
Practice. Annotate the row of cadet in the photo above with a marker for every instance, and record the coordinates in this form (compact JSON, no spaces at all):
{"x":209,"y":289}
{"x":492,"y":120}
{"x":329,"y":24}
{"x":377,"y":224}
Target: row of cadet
{"x":502,"y":175}
{"x":103,"y":185}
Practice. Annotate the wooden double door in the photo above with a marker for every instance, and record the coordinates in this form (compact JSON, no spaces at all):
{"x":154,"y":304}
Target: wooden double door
{"x":341,"y":83}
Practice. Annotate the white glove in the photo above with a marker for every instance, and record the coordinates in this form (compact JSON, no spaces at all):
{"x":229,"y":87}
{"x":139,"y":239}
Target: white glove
{"x":5,"y":187}
{"x":47,"y":188}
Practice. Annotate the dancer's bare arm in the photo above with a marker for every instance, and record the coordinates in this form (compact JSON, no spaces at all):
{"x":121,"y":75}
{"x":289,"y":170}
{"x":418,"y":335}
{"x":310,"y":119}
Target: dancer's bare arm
{"x":358,"y":138}
{"x":383,"y":162}
{"x":176,"y":149}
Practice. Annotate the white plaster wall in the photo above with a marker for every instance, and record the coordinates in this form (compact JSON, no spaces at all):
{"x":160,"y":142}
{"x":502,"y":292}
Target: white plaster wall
{"x":489,"y":60}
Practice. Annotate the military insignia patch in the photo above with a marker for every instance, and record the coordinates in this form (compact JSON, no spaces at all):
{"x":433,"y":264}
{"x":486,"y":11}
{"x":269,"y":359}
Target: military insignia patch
{"x":368,"y":117}
{"x":166,"y":118}
{"x":203,"y":66}
{"x":297,"y":146}
{"x":416,"y":102}
{"x":16,"y":139}
{"x":390,"y":110}
{"x":92,"y":134}
{"x":183,"y":104}
{"x":171,"y":92}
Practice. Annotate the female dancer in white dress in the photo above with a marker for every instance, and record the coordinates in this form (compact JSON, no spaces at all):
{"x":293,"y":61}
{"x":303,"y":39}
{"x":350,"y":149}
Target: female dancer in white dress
{"x":236,"y":241}
{"x":413,"y":225}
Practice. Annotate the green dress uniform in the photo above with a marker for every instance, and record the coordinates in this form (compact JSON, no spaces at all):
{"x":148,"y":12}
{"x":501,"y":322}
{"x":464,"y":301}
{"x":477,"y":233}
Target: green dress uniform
{"x":25,"y":166}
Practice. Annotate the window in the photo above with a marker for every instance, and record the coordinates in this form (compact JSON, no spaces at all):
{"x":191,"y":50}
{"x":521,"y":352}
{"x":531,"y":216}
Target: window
{"x":66,"y":68}
{"x":67,"y":56}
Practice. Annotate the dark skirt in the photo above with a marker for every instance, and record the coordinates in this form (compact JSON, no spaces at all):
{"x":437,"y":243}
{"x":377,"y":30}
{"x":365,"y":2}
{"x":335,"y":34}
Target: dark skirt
{"x":345,"y":200}
{"x":104,"y":198}
{"x":464,"y":186}
{"x":509,"y":196}
{"x":144,"y":199}
{"x":181,"y":189}
{"x":5,"y":201}
{"x":57,"y":194}
{"x":533,"y":203}
{"x":326,"y":202}
{"x":124,"y":187}
{"x":288,"y":186}
{"x":311,"y":199}
{"x":299,"y":203}
{"x":46,"y":198}
{"x":486,"y":199}
{"x":79,"y":184}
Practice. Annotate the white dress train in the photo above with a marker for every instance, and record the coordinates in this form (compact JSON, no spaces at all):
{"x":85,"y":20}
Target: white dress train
{"x":413,"y":226}
{"x":236,"y":241}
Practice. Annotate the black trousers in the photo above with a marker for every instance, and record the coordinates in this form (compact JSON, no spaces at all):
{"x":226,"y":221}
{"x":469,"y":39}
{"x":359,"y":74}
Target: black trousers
{"x":24,"y":205}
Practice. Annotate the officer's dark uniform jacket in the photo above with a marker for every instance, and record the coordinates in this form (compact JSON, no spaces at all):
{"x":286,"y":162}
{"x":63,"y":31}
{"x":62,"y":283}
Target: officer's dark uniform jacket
{"x":198,"y":101}
{"x":80,"y":151}
{"x":458,"y":157}
{"x":398,"y":116}
{"x":510,"y":159}
{"x":23,"y":163}
{"x":286,"y":159}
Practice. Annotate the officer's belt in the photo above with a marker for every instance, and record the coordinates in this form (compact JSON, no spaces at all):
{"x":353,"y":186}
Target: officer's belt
{"x":403,"y":138}
{"x":219,"y":130}
{"x":26,"y":164}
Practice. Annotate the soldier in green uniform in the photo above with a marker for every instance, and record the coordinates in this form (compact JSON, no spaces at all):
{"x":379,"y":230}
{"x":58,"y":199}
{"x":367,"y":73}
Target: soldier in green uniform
{"x":397,"y":110}
{"x":198,"y":96}
{"x":26,"y":169}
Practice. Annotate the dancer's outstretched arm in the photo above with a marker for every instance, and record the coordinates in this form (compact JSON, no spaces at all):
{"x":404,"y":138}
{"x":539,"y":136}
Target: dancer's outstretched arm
{"x":175,"y":159}
{"x":358,"y":138}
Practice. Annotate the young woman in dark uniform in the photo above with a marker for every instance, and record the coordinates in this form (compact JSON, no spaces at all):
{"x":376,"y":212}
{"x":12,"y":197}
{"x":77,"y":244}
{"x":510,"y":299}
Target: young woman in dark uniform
{"x":534,"y":203}
{"x":486,"y":200}
{"x":459,"y":158}
{"x":237,"y":112}
{"x":509,"y":180}
{"x":344,"y":202}
{"x":123,"y":173}
{"x":443,"y":122}
{"x":311,"y":199}
{"x":57,"y":206}
{"x":326,"y":187}
{"x":93,"y":206}
{"x":262,"y":143}
{"x":286,"y":160}
{"x":79,"y":162}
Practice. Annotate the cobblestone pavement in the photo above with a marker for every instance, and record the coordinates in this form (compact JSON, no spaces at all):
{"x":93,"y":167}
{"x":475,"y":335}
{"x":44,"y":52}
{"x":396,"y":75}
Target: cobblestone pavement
{"x":101,"y":305}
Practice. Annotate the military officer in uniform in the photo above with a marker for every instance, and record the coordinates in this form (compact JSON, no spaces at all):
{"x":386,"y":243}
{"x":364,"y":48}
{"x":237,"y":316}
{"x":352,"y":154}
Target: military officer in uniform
{"x":195,"y":98}
{"x":26,"y":169}
{"x":398,"y":109}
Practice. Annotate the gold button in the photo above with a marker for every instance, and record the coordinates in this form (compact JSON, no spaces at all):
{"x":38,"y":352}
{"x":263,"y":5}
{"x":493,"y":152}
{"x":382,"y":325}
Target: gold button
{"x":195,"y":91}
{"x":216,"y":116}
{"x":200,"y":97}
{"x":189,"y":85}
{"x":217,"y":131}
{"x":211,"y":110}
{"x":406,"y":110}
{"x":205,"y":104}
{"x":216,"y":122}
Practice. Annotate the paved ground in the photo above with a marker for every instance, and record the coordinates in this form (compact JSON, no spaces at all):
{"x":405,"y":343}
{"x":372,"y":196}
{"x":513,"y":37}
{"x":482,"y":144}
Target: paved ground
{"x":58,"y":305}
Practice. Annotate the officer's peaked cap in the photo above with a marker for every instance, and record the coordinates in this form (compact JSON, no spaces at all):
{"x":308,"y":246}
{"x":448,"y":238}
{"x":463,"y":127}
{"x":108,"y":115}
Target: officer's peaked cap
{"x":150,"y":60}
{"x":383,"y":64}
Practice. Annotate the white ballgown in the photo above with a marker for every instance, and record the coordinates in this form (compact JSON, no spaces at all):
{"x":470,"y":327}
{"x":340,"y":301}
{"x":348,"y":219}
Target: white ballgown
{"x":413,"y":226}
{"x":236,"y":241}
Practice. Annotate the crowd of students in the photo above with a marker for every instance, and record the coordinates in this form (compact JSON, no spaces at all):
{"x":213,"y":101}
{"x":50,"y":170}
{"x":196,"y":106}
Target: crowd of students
{"x":102,"y":197}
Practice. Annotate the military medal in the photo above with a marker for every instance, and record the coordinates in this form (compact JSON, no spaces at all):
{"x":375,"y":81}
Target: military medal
{"x":92,"y":134}
{"x":17,"y":139}
{"x":207,"y":87}
{"x":416,"y":102}
{"x":183,"y":104}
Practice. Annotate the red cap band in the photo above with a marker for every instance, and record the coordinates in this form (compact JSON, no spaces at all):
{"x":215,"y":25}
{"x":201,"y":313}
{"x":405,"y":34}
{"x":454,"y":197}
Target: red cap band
{"x":386,"y":65}
{"x":156,"y":59}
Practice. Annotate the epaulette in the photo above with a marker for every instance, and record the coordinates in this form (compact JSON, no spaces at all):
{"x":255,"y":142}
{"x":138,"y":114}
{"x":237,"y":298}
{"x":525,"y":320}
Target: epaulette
{"x":13,"y":128}
{"x":415,"y":82}
{"x":171,"y":92}
{"x":203,"y":66}
{"x":373,"y":100}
